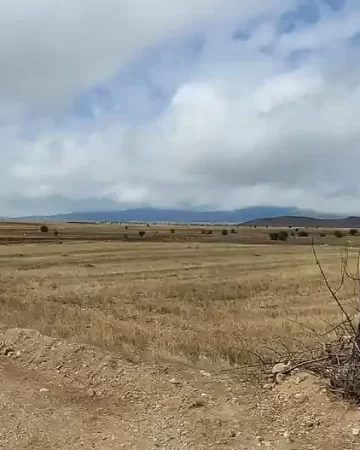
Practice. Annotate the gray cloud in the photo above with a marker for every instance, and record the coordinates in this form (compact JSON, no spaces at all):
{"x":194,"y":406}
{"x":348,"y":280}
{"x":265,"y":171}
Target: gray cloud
{"x":242,"y":128}
{"x":50,"y":50}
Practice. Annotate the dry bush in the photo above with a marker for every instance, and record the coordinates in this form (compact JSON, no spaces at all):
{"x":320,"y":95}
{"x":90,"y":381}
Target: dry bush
{"x":335,"y":354}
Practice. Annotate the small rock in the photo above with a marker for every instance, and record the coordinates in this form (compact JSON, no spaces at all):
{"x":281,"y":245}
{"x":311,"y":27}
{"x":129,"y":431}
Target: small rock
{"x":268,"y":386}
{"x":280,"y":378}
{"x":287,"y":435}
{"x":91,"y":392}
{"x":300,"y":397}
{"x":44,"y":390}
{"x":174,"y":381}
{"x":280,"y":367}
{"x":205,"y":374}
{"x":355,"y":431}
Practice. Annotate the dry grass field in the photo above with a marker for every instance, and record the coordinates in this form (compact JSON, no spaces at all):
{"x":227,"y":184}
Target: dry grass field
{"x":176,"y":298}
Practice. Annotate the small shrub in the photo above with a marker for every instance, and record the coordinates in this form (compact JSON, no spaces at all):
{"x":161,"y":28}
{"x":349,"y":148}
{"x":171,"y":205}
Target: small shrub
{"x":224,"y":232}
{"x":283,"y":235}
{"x":209,"y":232}
{"x":44,"y":228}
{"x":56,"y":232}
{"x":296,"y":229}
{"x":293,"y":234}
{"x":148,"y":225}
{"x":303,"y":233}
{"x":338,"y":234}
{"x":126,"y":227}
{"x":172,"y":231}
{"x":142,"y":233}
{"x":322,"y":235}
{"x":274,"y":236}
{"x":353,"y":232}
{"x":126,"y":237}
{"x":290,"y":226}
{"x":203,"y":231}
{"x":233,"y":231}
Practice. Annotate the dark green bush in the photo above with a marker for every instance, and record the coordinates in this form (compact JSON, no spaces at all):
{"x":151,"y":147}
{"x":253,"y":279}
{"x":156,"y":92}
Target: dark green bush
{"x":274,"y":236}
{"x":338,"y":234}
{"x":283,"y":235}
{"x":303,"y":233}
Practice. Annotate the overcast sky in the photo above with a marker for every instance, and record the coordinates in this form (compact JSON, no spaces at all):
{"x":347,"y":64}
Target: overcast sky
{"x":193,"y":103}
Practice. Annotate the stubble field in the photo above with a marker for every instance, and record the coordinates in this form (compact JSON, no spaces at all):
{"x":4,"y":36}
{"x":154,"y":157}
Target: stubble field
{"x":180,"y":298}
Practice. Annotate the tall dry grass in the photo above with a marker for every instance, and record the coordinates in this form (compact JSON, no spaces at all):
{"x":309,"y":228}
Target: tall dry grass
{"x":168,"y":300}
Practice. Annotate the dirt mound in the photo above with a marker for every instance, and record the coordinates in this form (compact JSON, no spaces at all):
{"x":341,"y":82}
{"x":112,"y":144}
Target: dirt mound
{"x":301,"y":410}
{"x":63,"y":395}
{"x":139,"y":406}
{"x":78,"y":366}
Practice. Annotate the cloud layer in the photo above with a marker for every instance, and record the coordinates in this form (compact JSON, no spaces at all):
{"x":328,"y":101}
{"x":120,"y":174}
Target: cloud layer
{"x":198,"y":103}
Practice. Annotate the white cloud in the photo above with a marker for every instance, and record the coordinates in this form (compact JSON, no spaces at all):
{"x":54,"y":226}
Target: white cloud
{"x":51,"y":50}
{"x":243,"y":127}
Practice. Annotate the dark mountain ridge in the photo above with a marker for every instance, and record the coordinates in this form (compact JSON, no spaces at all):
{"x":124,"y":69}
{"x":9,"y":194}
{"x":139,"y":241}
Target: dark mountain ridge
{"x":304,"y":221}
{"x":177,"y":215}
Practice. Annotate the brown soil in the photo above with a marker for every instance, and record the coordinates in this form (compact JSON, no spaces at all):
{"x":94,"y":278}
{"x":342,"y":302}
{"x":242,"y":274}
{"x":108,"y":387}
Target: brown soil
{"x":58,"y":395}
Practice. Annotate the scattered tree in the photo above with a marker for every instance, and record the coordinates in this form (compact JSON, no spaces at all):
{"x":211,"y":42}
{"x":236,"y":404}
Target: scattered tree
{"x":209,"y":232}
{"x":322,"y":235}
{"x":353,"y":232}
{"x":303,"y":233}
{"x":142,"y":233}
{"x":172,"y":231}
{"x":274,"y":236}
{"x":233,"y":231}
{"x":44,"y":228}
{"x":338,"y":234}
{"x":224,"y":232}
{"x":283,"y":235}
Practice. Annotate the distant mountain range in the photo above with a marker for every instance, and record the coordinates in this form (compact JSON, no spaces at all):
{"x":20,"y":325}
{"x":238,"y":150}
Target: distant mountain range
{"x":279,"y":216}
{"x":301,"y":221}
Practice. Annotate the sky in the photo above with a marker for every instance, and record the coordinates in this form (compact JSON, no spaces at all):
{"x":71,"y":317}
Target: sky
{"x":205,"y":104}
